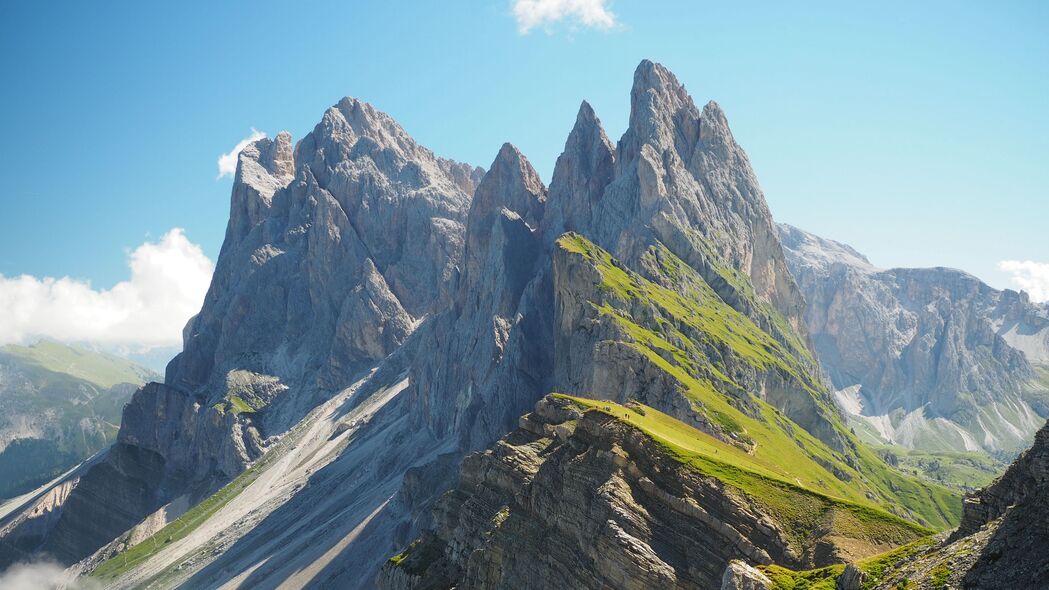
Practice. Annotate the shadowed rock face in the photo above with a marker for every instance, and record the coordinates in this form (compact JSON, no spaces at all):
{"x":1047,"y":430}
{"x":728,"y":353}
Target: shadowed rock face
{"x":936,"y":341}
{"x":483,"y":360}
{"x":333,"y":252}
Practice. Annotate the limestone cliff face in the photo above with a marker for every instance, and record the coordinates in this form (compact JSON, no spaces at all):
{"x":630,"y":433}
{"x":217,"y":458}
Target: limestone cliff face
{"x":334,"y":250}
{"x":681,"y":178}
{"x":942,"y":360}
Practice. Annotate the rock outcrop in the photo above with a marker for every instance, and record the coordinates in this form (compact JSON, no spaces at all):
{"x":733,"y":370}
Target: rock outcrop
{"x":941,"y":360}
{"x":999,"y":543}
{"x":741,"y":576}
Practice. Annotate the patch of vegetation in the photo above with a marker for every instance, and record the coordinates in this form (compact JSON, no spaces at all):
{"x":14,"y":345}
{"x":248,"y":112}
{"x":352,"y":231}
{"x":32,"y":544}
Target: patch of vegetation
{"x":818,"y":579}
{"x":939,"y":577}
{"x":417,"y":557}
{"x":112,"y":568}
{"x":235,"y":404}
{"x":875,"y":567}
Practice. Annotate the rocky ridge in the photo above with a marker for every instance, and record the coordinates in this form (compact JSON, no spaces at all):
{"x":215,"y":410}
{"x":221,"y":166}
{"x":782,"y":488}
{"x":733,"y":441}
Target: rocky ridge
{"x":576,"y":497}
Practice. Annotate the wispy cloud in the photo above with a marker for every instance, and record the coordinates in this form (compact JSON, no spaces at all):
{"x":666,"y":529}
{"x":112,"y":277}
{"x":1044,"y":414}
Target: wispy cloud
{"x":589,"y":13}
{"x":169,"y":279}
{"x":228,"y":162}
{"x":1030,"y":276}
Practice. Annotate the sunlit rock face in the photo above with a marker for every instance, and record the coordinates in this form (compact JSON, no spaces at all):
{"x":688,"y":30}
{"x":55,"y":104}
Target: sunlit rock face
{"x":942,"y":361}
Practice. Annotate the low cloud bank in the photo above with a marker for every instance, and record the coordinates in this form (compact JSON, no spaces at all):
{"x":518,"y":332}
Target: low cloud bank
{"x":169,"y":279}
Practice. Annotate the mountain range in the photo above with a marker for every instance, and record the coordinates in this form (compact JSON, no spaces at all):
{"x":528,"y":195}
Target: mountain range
{"x":930,"y":359}
{"x":415,"y":373}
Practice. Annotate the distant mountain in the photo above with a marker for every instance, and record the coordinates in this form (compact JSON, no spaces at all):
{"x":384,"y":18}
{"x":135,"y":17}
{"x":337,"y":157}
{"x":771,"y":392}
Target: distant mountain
{"x":927,"y":358}
{"x":59,"y":404}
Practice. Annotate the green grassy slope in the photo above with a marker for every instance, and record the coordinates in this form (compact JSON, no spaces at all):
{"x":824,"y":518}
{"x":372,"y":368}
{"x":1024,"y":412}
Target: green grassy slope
{"x":960,"y":470}
{"x":802,"y":495}
{"x":825,"y":578}
{"x":98,"y":368}
{"x":691,"y":334}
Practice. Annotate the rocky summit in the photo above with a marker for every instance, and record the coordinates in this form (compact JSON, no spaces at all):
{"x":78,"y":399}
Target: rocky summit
{"x":413,"y":373}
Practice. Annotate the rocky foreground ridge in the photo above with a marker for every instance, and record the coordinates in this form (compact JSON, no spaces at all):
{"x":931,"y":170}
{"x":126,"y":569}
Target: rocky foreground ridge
{"x":930,"y":359}
{"x":588,"y":495}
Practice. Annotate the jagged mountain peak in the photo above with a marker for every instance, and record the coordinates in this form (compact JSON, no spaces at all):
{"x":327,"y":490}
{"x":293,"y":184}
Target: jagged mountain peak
{"x":582,"y":172}
{"x":511,"y":183}
{"x":662,"y":114}
{"x":587,"y":130}
{"x":655,"y":80}
{"x":355,"y":131}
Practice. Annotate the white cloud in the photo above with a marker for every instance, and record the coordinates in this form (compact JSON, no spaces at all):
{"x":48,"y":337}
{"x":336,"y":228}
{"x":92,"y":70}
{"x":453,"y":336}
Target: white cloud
{"x":228,"y":162}
{"x":589,"y":13}
{"x":1030,"y":276}
{"x":168,"y":282}
{"x":41,"y":576}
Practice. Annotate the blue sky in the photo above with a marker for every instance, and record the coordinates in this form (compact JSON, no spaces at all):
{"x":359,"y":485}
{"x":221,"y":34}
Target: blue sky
{"x":915,"y":131}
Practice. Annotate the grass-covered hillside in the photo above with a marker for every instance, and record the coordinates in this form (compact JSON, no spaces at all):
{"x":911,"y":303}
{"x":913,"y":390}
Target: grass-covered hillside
{"x":960,"y":470}
{"x":98,"y":368}
{"x":719,"y":359}
{"x":802,"y":495}
{"x":59,"y":404}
